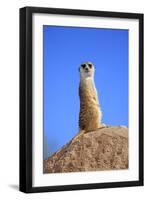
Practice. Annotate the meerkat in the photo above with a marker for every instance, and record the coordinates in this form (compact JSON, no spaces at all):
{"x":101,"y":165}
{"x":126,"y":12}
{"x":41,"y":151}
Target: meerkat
{"x":90,"y":112}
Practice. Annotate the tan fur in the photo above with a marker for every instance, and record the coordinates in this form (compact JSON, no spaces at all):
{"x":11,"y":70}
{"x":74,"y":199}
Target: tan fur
{"x":90,"y":112}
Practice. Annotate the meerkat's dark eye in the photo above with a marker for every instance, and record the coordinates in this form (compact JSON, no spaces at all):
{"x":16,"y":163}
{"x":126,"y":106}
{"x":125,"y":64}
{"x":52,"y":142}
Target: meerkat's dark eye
{"x":90,"y":66}
{"x":83,"y":66}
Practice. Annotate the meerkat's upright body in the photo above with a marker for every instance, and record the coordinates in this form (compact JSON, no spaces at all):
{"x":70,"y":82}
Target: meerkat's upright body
{"x":90,"y":112}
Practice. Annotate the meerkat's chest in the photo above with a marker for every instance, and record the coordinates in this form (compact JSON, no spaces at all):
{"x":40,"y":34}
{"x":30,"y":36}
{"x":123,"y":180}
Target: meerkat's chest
{"x":87,"y":90}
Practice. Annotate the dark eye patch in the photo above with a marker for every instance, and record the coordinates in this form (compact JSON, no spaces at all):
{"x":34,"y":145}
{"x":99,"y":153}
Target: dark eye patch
{"x":90,"y":66}
{"x":83,"y":66}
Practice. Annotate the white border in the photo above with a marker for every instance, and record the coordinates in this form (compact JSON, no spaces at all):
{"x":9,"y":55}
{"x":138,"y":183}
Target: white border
{"x":40,"y":179}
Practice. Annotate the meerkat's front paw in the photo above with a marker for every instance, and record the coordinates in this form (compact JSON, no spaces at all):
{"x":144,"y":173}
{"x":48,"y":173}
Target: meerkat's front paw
{"x":102,"y":125}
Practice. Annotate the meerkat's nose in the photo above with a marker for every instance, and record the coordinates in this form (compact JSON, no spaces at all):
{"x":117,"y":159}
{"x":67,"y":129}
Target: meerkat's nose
{"x":86,"y":68}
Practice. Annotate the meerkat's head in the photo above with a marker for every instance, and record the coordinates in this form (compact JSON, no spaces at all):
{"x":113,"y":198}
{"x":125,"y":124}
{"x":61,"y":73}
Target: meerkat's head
{"x":86,"y":70}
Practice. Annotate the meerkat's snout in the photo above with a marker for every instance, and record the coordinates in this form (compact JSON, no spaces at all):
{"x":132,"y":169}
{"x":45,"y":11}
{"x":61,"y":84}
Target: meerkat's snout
{"x":87,"y":69}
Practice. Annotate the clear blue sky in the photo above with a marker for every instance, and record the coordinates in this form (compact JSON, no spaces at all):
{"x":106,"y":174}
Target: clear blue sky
{"x":64,"y":49}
